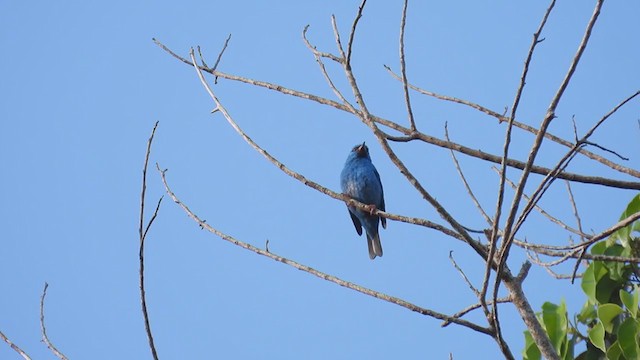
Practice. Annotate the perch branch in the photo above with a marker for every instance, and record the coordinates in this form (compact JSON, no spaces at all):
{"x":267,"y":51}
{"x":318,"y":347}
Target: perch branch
{"x":320,"y":274}
{"x":314,"y":185}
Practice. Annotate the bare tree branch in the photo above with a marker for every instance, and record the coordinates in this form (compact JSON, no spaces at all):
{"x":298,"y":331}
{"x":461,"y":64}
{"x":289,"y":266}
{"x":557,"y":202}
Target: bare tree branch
{"x":496,"y":254}
{"x":312,"y":271}
{"x":551,"y":218}
{"x":501,"y":118}
{"x":538,"y":335}
{"x":143,"y":236}
{"x":315,"y":49}
{"x":464,"y":181}
{"x":464,"y":276}
{"x":548,"y":250}
{"x":579,"y":223}
{"x":318,"y":56}
{"x":43,"y":329}
{"x":470,"y":308}
{"x":366,"y":118}
{"x":318,"y":187}
{"x":563,"y":163}
{"x":595,"y":238}
{"x":353,"y":32}
{"x":14,"y":346}
{"x":226,"y":43}
{"x":413,"y":135}
{"x":403,"y":67}
{"x":509,"y":230}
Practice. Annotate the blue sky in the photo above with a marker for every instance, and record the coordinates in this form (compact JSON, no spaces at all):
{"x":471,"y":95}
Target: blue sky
{"x":83,"y":83}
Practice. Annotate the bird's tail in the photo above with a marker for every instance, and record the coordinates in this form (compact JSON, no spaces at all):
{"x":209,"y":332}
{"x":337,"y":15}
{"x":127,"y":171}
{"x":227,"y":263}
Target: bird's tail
{"x":375,"y":248}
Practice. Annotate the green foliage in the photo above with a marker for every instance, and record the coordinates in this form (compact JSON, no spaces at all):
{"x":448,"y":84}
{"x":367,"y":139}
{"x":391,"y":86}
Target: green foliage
{"x":555,"y":322}
{"x":610,"y":314}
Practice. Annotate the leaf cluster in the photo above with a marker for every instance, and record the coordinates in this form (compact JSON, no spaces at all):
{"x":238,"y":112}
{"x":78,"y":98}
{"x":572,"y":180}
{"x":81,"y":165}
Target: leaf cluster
{"x":609,"y":322}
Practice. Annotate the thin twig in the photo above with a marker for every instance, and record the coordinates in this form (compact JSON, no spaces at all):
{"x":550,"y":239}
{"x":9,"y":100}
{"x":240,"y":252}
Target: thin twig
{"x":536,"y":259}
{"x":545,"y":124}
{"x":523,"y":126}
{"x":579,"y":223}
{"x":544,"y":213}
{"x":464,"y":276}
{"x":353,"y":32}
{"x":595,"y":238}
{"x":540,"y":338}
{"x":143,"y":235}
{"x":318,"y":56}
{"x":607,"y":150}
{"x":315,"y":50}
{"x":549,"y":251}
{"x":470,"y":308}
{"x":403,"y":67}
{"x":556,"y":275}
{"x":226,"y":43}
{"x":547,"y":266}
{"x":14,"y":346}
{"x":464,"y":180}
{"x":43,"y":329}
{"x":509,"y":230}
{"x":366,"y":117}
{"x":312,"y":271}
{"x":596,"y":180}
{"x":564,"y":162}
{"x":575,"y":268}
{"x":314,"y":185}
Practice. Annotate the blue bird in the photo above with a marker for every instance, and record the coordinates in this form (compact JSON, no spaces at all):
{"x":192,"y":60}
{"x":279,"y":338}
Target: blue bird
{"x":360,"y":180}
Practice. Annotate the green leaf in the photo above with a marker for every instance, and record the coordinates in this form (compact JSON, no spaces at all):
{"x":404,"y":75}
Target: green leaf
{"x":589,"y":283}
{"x":567,"y":350}
{"x":597,"y":282}
{"x":596,"y":335}
{"x":605,"y":288}
{"x":554,"y":318}
{"x":628,"y":338}
{"x":616,"y":269}
{"x":587,"y":313}
{"x":614,"y":352}
{"x":531,"y":351}
{"x":630,"y":301}
{"x":632,"y":208}
{"x":624,"y":234}
{"x":607,"y":313}
{"x":599,"y":248}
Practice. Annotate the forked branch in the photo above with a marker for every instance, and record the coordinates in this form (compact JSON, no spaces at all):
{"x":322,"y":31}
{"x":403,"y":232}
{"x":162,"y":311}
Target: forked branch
{"x":143,"y":235}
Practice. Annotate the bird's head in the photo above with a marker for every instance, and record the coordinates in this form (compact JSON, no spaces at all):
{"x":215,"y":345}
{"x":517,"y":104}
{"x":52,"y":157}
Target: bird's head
{"x":361,"y":151}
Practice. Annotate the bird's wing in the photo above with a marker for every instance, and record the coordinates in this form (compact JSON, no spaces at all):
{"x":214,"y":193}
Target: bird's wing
{"x":381,"y":205}
{"x":356,"y":222}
